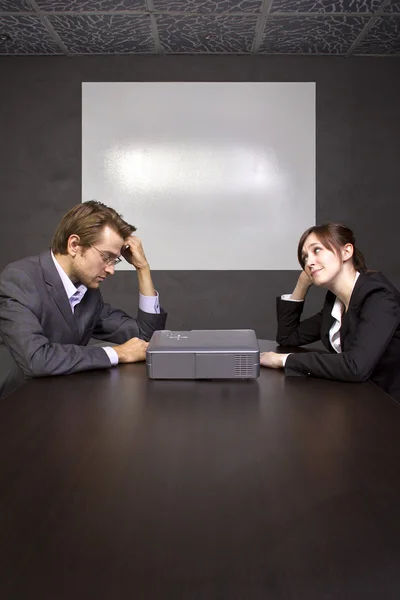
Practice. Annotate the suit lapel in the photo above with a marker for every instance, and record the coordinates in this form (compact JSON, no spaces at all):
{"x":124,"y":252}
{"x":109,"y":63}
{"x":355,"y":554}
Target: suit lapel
{"x":56,"y":289}
{"x":325,"y":334}
{"x":82,"y":315}
{"x":344,"y":328}
{"x":327,"y":322}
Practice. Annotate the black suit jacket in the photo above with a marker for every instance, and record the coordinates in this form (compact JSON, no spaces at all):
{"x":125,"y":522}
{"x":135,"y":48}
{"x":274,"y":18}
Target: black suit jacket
{"x":369,"y":336}
{"x":42,"y":334}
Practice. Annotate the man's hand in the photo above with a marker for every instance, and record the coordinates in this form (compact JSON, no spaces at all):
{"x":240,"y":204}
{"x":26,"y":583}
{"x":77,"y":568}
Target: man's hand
{"x":273,"y":360}
{"x":133,"y":252}
{"x":134,"y":350}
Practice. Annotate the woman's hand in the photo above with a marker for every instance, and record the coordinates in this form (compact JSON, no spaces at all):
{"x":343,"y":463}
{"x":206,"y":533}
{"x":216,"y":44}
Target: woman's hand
{"x":304,"y":279}
{"x":303,"y":284}
{"x":273,"y":360}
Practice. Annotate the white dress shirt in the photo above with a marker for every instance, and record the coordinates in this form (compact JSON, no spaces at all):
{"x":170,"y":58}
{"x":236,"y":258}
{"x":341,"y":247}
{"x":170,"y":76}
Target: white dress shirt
{"x":149,"y":304}
{"x":336,"y":312}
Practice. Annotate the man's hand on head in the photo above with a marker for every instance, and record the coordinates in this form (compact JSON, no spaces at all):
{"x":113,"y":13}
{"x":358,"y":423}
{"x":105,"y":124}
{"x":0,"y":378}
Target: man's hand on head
{"x":133,"y":252}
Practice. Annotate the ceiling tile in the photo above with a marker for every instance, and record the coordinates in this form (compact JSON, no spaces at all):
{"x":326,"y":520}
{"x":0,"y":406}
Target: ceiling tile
{"x":206,"y":34}
{"x":393,"y":7}
{"x":326,"y":6}
{"x":200,"y":6}
{"x":311,"y":35}
{"x":382,"y":38}
{"x":28,"y":36}
{"x":107,"y":34}
{"x":199,"y":26}
{"x":90,"y":5}
{"x":15,"y":6}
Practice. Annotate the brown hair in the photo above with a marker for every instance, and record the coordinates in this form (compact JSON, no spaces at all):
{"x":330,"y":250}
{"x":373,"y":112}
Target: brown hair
{"x":333,"y":236}
{"x":88,"y":220}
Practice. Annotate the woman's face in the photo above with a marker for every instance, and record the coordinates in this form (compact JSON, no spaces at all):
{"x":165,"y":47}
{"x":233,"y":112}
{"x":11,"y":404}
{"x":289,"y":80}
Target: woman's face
{"x":320,"y":263}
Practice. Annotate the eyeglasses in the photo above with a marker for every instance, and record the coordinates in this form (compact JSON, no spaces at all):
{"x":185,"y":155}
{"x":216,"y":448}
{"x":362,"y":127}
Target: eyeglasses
{"x":112,"y":262}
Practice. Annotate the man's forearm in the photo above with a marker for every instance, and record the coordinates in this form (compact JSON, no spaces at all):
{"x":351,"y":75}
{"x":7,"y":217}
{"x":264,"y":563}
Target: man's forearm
{"x":145,"y":281}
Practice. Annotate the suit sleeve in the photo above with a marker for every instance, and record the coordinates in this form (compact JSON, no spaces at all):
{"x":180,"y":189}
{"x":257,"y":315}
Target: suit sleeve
{"x":292,"y":331}
{"x":22,"y":333}
{"x":114,"y":325}
{"x":379,"y":318}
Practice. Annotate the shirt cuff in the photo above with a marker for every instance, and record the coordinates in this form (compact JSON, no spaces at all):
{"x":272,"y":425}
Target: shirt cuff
{"x":284,"y":356}
{"x":289,"y":297}
{"x":112,"y":355}
{"x":150,"y":304}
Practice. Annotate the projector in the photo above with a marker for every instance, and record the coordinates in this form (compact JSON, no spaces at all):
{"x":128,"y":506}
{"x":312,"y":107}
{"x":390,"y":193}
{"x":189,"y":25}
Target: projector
{"x":203,"y":354}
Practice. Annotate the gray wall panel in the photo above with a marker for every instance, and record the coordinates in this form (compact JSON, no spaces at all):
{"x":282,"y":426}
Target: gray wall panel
{"x":358,"y":177}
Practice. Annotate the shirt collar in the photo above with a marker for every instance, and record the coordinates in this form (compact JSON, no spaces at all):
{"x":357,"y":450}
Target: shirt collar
{"x":337,"y":309}
{"x":69,"y":287}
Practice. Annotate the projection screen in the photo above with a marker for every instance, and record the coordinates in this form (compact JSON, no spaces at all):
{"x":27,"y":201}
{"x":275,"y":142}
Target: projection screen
{"x":215,"y":176}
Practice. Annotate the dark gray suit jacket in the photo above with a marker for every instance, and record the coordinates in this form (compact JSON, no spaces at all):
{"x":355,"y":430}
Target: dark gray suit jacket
{"x":42,"y":334}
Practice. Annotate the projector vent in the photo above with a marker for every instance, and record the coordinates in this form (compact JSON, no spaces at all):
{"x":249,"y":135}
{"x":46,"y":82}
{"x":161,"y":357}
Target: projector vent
{"x":244,"y":366}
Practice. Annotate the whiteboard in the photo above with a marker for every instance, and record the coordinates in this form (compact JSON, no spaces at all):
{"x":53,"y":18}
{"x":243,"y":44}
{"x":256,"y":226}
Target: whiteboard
{"x":215,"y":176}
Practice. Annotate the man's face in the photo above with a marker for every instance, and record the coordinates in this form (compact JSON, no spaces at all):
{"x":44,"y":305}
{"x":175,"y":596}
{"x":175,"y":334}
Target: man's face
{"x":91,"y":266}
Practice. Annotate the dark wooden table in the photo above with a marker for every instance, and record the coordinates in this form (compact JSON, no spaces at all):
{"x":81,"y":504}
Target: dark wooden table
{"x":116,"y":487}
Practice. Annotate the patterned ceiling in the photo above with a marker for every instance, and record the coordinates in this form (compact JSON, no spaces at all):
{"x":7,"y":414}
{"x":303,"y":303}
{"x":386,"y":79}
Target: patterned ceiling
{"x":312,"y":27}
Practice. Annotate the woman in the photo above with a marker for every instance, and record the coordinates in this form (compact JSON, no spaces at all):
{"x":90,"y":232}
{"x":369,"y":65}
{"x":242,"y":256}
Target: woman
{"x":359,"y":323}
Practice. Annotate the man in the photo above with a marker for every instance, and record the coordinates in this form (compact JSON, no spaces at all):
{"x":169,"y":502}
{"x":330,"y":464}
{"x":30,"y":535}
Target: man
{"x":50,"y":305}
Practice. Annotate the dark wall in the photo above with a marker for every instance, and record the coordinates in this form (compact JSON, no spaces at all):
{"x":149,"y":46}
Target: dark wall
{"x":358,"y":168}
